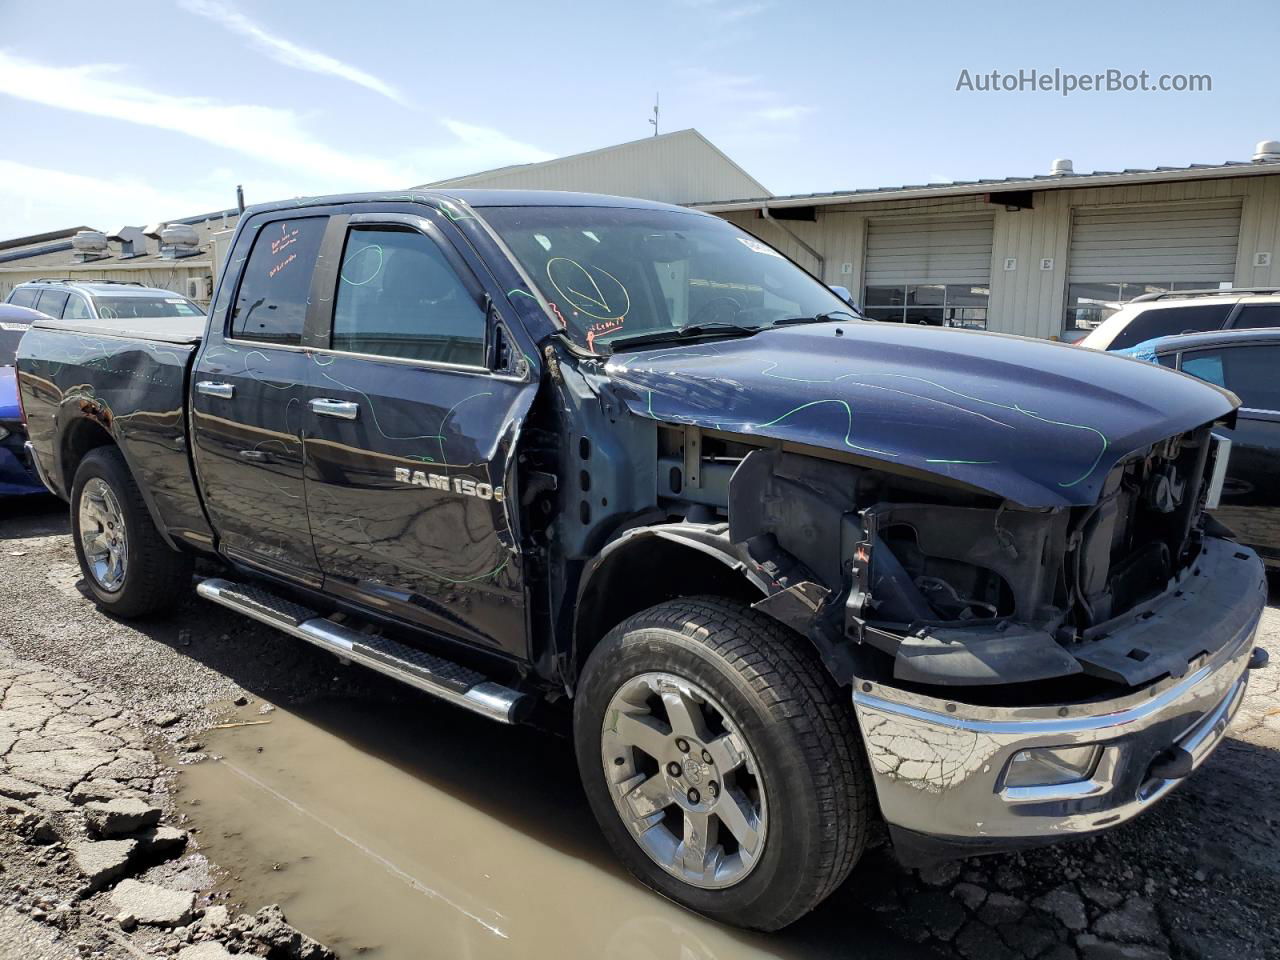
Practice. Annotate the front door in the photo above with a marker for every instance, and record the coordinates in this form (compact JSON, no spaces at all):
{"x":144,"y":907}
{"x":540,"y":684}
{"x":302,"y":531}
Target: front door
{"x":408,"y":437}
{"x":249,"y":389}
{"x":1250,"y":503}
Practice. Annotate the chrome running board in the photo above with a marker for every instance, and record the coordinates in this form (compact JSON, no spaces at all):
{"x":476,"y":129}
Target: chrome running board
{"x":441,"y":678}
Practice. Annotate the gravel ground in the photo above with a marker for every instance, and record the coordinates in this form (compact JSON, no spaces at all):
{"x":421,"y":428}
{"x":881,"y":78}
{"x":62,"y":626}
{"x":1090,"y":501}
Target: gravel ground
{"x":1196,"y":877}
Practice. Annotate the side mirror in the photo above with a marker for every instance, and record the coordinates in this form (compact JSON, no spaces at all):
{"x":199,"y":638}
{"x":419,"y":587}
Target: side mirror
{"x":843,"y":293}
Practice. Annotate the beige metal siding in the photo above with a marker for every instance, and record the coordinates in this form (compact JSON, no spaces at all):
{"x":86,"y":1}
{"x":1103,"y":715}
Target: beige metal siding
{"x":680,"y":167}
{"x":929,"y":250}
{"x":1260,"y":234}
{"x":1190,"y":242}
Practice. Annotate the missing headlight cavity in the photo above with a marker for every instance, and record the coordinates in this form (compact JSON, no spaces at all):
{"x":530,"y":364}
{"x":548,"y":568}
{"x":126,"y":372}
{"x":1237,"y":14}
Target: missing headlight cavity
{"x":947,"y":588}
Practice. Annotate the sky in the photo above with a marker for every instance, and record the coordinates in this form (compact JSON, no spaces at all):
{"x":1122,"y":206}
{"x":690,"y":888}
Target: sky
{"x":127,"y":113}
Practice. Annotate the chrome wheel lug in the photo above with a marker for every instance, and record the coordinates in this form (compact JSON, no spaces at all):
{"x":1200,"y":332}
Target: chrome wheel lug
{"x":706,"y":757}
{"x":713,"y":789}
{"x":694,"y":796}
{"x":682,"y":745}
{"x":673,"y":768}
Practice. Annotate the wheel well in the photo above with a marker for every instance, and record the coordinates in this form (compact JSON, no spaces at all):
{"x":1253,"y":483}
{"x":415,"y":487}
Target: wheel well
{"x":645,"y":572}
{"x":78,"y":439}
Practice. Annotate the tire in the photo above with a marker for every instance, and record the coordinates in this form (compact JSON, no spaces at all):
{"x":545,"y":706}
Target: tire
{"x":802,"y":772}
{"x":149,"y":577}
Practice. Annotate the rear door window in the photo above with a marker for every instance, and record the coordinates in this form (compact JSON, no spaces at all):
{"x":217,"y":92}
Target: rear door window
{"x":271,"y":304}
{"x":1168,"y":321}
{"x":1249,"y":371}
{"x":1253,"y":315}
{"x":77,"y":308}
{"x":51,"y":302}
{"x":24,"y":296}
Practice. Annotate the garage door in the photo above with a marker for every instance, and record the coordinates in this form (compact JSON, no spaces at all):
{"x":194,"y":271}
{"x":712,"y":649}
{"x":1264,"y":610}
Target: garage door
{"x":1118,"y":253}
{"x":935,"y":271}
{"x":1169,"y":243}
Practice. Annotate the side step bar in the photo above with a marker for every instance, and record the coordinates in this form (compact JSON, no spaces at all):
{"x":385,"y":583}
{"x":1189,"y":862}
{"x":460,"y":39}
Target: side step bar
{"x":439,"y":677}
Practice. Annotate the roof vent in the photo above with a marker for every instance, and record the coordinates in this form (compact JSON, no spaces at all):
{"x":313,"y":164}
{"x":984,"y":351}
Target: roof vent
{"x":179,"y":240}
{"x":133,"y":242}
{"x":1267,"y":151}
{"x":89,"y":245}
{"x":1061,"y":168}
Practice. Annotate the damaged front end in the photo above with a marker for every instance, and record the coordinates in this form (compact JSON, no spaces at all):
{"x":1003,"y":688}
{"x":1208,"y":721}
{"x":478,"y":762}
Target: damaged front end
{"x":1017,"y":672}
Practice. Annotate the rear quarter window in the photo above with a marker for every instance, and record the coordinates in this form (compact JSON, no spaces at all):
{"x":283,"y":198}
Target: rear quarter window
{"x":24,"y":296}
{"x":1168,"y":321}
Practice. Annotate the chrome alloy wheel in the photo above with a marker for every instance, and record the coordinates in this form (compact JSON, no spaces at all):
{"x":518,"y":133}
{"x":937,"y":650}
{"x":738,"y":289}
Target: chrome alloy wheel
{"x":684,"y":779}
{"x":102,"y":534}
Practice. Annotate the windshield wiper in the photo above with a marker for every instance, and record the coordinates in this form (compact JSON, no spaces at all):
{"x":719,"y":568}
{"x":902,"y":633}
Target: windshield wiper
{"x":827,"y":317}
{"x":693,"y":330}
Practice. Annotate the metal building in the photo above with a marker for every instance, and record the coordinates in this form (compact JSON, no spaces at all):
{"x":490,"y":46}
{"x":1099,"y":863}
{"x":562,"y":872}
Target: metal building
{"x":1045,"y":256}
{"x":178,"y":255}
{"x":679,"y":167}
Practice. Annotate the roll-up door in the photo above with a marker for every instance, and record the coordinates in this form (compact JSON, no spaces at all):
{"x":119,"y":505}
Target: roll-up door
{"x":935,"y":270}
{"x":1170,"y":243}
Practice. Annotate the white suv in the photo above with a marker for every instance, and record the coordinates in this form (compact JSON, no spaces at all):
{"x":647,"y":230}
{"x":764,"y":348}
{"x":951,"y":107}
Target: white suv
{"x":101,"y":300}
{"x":1186,"y":311}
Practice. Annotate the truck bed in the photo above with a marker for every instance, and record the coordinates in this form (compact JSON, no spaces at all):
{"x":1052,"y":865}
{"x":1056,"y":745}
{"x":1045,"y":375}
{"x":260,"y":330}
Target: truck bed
{"x":128,"y":379}
{"x":161,"y":329}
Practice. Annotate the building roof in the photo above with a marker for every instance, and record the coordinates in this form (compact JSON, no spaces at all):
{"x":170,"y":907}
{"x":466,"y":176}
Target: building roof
{"x":1098,"y":178}
{"x":35,"y":253}
{"x":678,"y":167}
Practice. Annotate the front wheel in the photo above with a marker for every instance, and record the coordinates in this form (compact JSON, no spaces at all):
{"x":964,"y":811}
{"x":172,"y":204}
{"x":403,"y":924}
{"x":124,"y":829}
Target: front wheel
{"x":721,"y":761}
{"x":127,"y":566}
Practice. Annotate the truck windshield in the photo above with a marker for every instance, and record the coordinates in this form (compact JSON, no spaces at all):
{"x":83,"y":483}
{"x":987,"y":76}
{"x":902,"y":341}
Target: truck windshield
{"x":113,"y":308}
{"x":612,"y":274}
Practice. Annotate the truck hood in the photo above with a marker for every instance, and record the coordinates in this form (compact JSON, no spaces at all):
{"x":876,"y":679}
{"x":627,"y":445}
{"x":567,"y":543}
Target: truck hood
{"x":1032,"y":421}
{"x":9,"y":409}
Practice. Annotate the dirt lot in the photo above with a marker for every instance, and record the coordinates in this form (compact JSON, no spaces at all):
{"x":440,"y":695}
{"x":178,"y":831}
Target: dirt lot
{"x":390,"y":826}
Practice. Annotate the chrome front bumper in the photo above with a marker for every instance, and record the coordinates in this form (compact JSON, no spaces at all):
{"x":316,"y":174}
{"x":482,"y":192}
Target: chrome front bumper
{"x":939,"y":765}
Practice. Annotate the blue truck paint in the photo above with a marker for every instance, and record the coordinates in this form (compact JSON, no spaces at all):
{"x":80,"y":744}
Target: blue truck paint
{"x":1039,"y":423}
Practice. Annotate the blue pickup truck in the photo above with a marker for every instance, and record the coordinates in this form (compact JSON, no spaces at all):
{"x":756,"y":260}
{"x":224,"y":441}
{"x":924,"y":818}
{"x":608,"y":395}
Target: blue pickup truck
{"x":787,"y":570}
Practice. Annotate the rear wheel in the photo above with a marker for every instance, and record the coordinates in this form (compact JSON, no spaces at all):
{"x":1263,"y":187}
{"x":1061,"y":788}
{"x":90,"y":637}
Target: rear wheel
{"x":722,"y":761}
{"x":127,"y":566}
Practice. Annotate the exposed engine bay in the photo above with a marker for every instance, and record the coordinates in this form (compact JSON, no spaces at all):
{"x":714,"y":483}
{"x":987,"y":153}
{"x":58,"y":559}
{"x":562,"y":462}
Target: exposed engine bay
{"x":924,"y":583}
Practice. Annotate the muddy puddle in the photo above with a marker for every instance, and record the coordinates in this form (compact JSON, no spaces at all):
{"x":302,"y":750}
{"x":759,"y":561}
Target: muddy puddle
{"x":415,"y":830}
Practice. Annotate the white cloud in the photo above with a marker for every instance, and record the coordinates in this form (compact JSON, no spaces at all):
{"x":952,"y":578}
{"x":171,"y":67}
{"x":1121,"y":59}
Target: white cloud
{"x":743,"y":96}
{"x":473,"y":150}
{"x":37,"y":199}
{"x":286,"y":51}
{"x":792,"y":112}
{"x":727,"y":13}
{"x":271,"y":135}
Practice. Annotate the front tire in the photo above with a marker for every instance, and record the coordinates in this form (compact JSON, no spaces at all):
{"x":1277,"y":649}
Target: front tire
{"x":127,"y":566}
{"x":722,"y":761}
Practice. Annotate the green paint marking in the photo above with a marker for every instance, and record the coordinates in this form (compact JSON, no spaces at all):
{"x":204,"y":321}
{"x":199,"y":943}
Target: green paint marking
{"x":517,"y":292}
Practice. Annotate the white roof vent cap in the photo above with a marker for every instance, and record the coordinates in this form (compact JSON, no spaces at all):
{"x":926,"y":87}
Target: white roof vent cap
{"x":89,"y":241}
{"x":1061,"y":168}
{"x":1266,"y":151}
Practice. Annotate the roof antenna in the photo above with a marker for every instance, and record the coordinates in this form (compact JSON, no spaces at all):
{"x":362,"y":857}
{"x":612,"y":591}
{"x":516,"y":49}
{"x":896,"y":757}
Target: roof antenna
{"x":240,"y":197}
{"x":654,"y":118}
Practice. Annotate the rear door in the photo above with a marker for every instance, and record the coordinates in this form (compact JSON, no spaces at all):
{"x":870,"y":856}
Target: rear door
{"x":411,"y":421}
{"x":1250,"y":503}
{"x":249,"y":392}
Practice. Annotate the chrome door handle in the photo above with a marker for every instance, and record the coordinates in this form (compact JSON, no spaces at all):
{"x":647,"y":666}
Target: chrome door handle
{"x":211,"y":389}
{"x":342,"y":409}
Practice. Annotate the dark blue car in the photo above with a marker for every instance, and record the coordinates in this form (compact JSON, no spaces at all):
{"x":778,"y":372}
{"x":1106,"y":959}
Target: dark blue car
{"x":17,"y":475}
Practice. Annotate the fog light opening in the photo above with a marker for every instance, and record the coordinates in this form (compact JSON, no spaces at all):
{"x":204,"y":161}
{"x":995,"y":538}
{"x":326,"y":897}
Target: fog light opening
{"x":1051,"y":766}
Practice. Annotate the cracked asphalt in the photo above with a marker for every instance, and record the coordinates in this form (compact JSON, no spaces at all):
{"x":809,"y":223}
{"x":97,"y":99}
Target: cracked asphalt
{"x":1196,"y":877}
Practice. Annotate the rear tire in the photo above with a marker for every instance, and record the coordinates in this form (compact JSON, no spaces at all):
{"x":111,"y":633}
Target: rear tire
{"x":794,"y":789}
{"x":127,"y":566}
